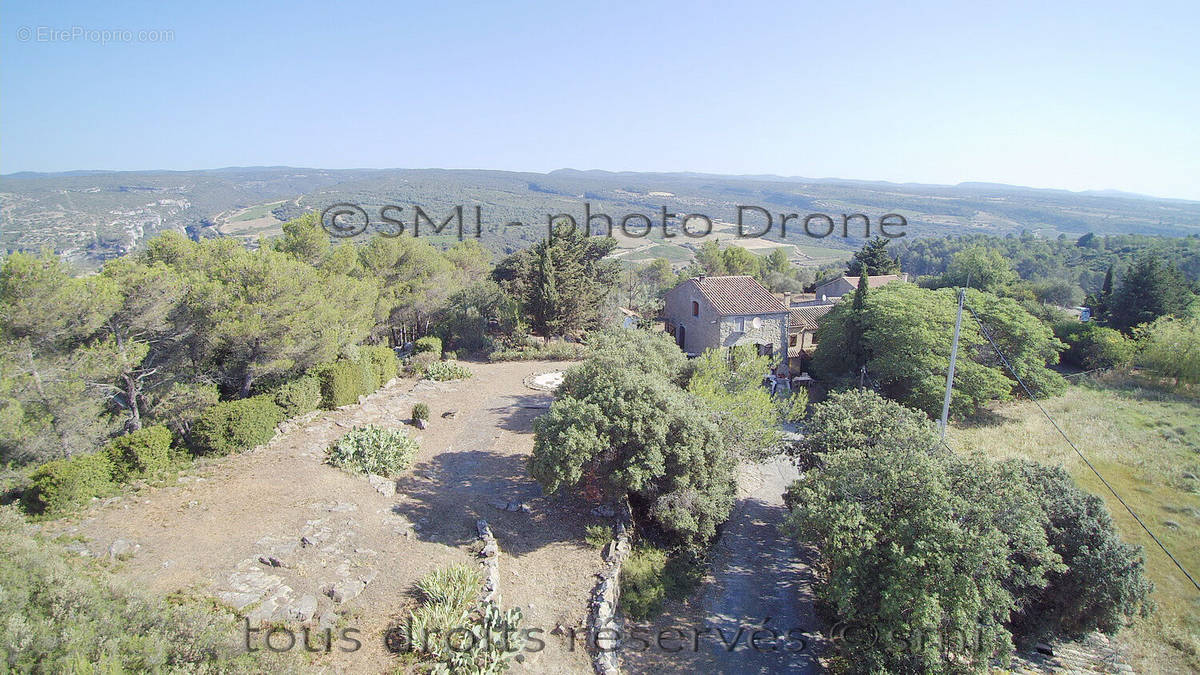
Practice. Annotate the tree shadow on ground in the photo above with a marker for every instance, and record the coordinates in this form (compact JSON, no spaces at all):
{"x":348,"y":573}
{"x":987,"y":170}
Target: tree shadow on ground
{"x":472,"y":480}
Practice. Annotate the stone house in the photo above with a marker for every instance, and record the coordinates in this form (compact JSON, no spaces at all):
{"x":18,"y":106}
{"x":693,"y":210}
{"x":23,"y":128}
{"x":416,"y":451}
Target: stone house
{"x":836,"y":288}
{"x":717,"y":312}
{"x":802,"y":327}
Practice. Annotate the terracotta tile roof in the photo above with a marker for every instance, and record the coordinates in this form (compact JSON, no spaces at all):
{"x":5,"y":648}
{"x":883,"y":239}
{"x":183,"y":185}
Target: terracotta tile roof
{"x":807,"y":317}
{"x":738,"y":295}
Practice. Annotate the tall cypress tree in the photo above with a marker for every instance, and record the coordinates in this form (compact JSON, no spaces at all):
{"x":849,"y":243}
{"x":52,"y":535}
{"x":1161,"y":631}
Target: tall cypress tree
{"x":856,"y":326}
{"x":545,"y":300}
{"x":1103,"y":302}
{"x":860,"y":293}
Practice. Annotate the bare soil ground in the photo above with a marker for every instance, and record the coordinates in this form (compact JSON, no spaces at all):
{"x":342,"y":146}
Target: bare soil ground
{"x":206,"y":533}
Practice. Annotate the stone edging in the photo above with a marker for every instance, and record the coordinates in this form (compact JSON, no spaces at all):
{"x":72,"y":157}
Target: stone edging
{"x":490,"y":563}
{"x":605,"y":603}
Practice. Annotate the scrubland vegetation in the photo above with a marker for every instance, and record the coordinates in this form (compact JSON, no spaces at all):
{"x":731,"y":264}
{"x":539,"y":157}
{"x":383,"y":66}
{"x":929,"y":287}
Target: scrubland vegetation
{"x":203,"y":348}
{"x":59,"y":614}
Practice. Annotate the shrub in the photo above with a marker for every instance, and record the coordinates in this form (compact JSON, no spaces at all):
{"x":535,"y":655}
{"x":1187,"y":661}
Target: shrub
{"x":449,"y":356}
{"x":457,"y":586}
{"x":453,"y":628}
{"x":1090,"y":346}
{"x":342,"y":382}
{"x":1104,"y":582}
{"x":643,"y":587}
{"x":554,"y":351}
{"x":652,"y":575}
{"x":384,"y":361}
{"x":300,"y":396}
{"x":235,"y":426}
{"x":598,"y":535}
{"x":429,"y":343}
{"x":140,"y":453}
{"x":416,"y":365}
{"x":447,"y":370}
{"x":1170,"y":347}
{"x":374,"y":450}
{"x":420,"y":411}
{"x":61,"y":485}
{"x":920,"y":542}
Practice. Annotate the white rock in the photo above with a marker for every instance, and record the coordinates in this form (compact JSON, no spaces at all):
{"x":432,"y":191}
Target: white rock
{"x":385,"y":486}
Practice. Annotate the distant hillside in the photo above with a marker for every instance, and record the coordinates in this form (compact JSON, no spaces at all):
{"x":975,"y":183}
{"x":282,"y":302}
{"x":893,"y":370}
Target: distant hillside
{"x":90,"y":216}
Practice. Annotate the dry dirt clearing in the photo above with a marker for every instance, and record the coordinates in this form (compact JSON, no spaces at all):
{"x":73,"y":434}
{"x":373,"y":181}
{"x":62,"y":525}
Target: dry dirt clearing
{"x":348,"y":555}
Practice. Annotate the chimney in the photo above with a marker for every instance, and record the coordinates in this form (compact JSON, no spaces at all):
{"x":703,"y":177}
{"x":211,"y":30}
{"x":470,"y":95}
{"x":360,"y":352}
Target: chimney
{"x":787,"y":299}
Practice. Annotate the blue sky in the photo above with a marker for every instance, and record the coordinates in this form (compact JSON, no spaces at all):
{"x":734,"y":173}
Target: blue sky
{"x":1088,"y":95}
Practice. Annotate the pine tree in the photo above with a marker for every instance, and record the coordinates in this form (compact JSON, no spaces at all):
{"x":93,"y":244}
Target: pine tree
{"x":874,"y":258}
{"x":1149,"y":290}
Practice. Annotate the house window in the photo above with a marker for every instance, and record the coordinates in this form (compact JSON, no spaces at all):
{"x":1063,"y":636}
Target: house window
{"x":766,"y":350}
{"x":792,"y":341}
{"x":695,"y":308}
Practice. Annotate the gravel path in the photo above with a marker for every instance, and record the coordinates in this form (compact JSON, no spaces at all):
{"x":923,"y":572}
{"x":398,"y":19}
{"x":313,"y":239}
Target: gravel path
{"x":758,"y":580}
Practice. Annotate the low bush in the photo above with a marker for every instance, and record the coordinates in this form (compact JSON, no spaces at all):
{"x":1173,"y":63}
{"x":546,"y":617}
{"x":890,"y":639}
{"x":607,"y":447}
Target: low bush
{"x":1103,"y":584}
{"x":554,"y":351}
{"x":643,"y":588}
{"x":235,"y":426}
{"x":384,"y":361}
{"x":420,"y":411}
{"x":429,"y":343}
{"x":1170,"y":347}
{"x":447,"y":370}
{"x":299,"y":396}
{"x":56,"y":618}
{"x":598,"y":535}
{"x":374,"y":450}
{"x":342,"y":382}
{"x":453,"y":628}
{"x":60,"y":485}
{"x":449,"y":356}
{"x":140,"y":453}
{"x":651,"y":576}
{"x":416,"y":365}
{"x":1090,"y":346}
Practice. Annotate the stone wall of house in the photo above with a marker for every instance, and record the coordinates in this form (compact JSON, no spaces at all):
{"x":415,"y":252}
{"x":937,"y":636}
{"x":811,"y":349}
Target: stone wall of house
{"x":835,"y":288}
{"x":700,"y":332}
{"x":773,"y":331}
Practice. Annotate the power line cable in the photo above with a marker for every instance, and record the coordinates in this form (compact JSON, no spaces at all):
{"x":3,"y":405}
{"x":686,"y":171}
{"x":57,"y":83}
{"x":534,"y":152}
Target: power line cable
{"x":1033,"y":398}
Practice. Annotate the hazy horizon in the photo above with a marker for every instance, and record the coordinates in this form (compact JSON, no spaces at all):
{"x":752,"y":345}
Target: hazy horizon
{"x":1110,"y":192}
